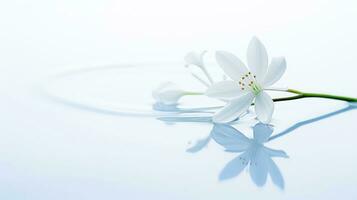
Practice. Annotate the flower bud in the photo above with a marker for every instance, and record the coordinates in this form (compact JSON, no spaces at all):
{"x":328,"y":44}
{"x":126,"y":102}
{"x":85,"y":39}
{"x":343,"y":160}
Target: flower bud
{"x":167,"y":93}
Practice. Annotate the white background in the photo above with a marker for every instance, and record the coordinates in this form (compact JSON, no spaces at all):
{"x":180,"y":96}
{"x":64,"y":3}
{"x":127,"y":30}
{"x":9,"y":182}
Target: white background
{"x":52,"y":151}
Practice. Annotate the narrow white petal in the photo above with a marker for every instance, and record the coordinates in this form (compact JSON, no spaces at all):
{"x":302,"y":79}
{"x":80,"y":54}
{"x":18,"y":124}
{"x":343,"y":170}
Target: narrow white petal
{"x":257,"y":58}
{"x":233,"y":109}
{"x":224,"y":89}
{"x":262,"y":132}
{"x":231,"y":65}
{"x":264,"y":107}
{"x":195,"y":58}
{"x":276,"y":70}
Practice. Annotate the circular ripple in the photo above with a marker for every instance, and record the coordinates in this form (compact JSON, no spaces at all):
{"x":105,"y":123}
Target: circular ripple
{"x":126,"y":90}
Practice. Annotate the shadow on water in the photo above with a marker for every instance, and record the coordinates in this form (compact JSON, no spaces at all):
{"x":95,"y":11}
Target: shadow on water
{"x":297,"y":125}
{"x":254,"y":155}
{"x":201,"y":143}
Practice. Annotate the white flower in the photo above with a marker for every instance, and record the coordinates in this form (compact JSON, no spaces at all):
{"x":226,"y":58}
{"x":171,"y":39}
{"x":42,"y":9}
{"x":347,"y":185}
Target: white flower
{"x":247,"y":84}
{"x":254,"y":153}
{"x":167,"y":93}
{"x":196,"y":59}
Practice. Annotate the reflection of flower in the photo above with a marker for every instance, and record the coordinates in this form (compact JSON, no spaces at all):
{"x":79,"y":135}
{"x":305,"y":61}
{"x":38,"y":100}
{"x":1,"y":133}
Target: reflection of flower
{"x":247,"y":85}
{"x":199,"y":144}
{"x":167,"y":93}
{"x":254,"y":153}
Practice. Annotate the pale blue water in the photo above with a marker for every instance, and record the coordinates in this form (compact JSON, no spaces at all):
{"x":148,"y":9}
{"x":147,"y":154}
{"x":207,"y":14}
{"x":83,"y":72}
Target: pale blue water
{"x":92,"y":145}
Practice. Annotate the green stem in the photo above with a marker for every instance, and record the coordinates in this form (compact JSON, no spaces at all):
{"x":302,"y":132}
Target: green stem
{"x":288,"y":98}
{"x":319,"y":95}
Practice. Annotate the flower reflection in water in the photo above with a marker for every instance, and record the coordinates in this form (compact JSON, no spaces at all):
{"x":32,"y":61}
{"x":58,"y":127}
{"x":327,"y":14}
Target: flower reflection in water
{"x":199,"y":144}
{"x":254,"y":154}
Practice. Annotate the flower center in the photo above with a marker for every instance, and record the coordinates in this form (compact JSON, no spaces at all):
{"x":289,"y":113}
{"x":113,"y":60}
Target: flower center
{"x":248,"y":81}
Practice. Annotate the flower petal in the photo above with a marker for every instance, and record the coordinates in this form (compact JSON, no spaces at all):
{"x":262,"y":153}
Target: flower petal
{"x":224,"y":89}
{"x":234,"y":167}
{"x":230,"y":138}
{"x":259,"y":167}
{"x":275,"y":153}
{"x":275,"y":174}
{"x":262,"y":132}
{"x":231,"y":65}
{"x":199,"y":145}
{"x":164,"y":86}
{"x":233,"y":109}
{"x":257,"y":58}
{"x":167,"y":93}
{"x":195,"y":58}
{"x":264,"y":107}
{"x":276,"y":70}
